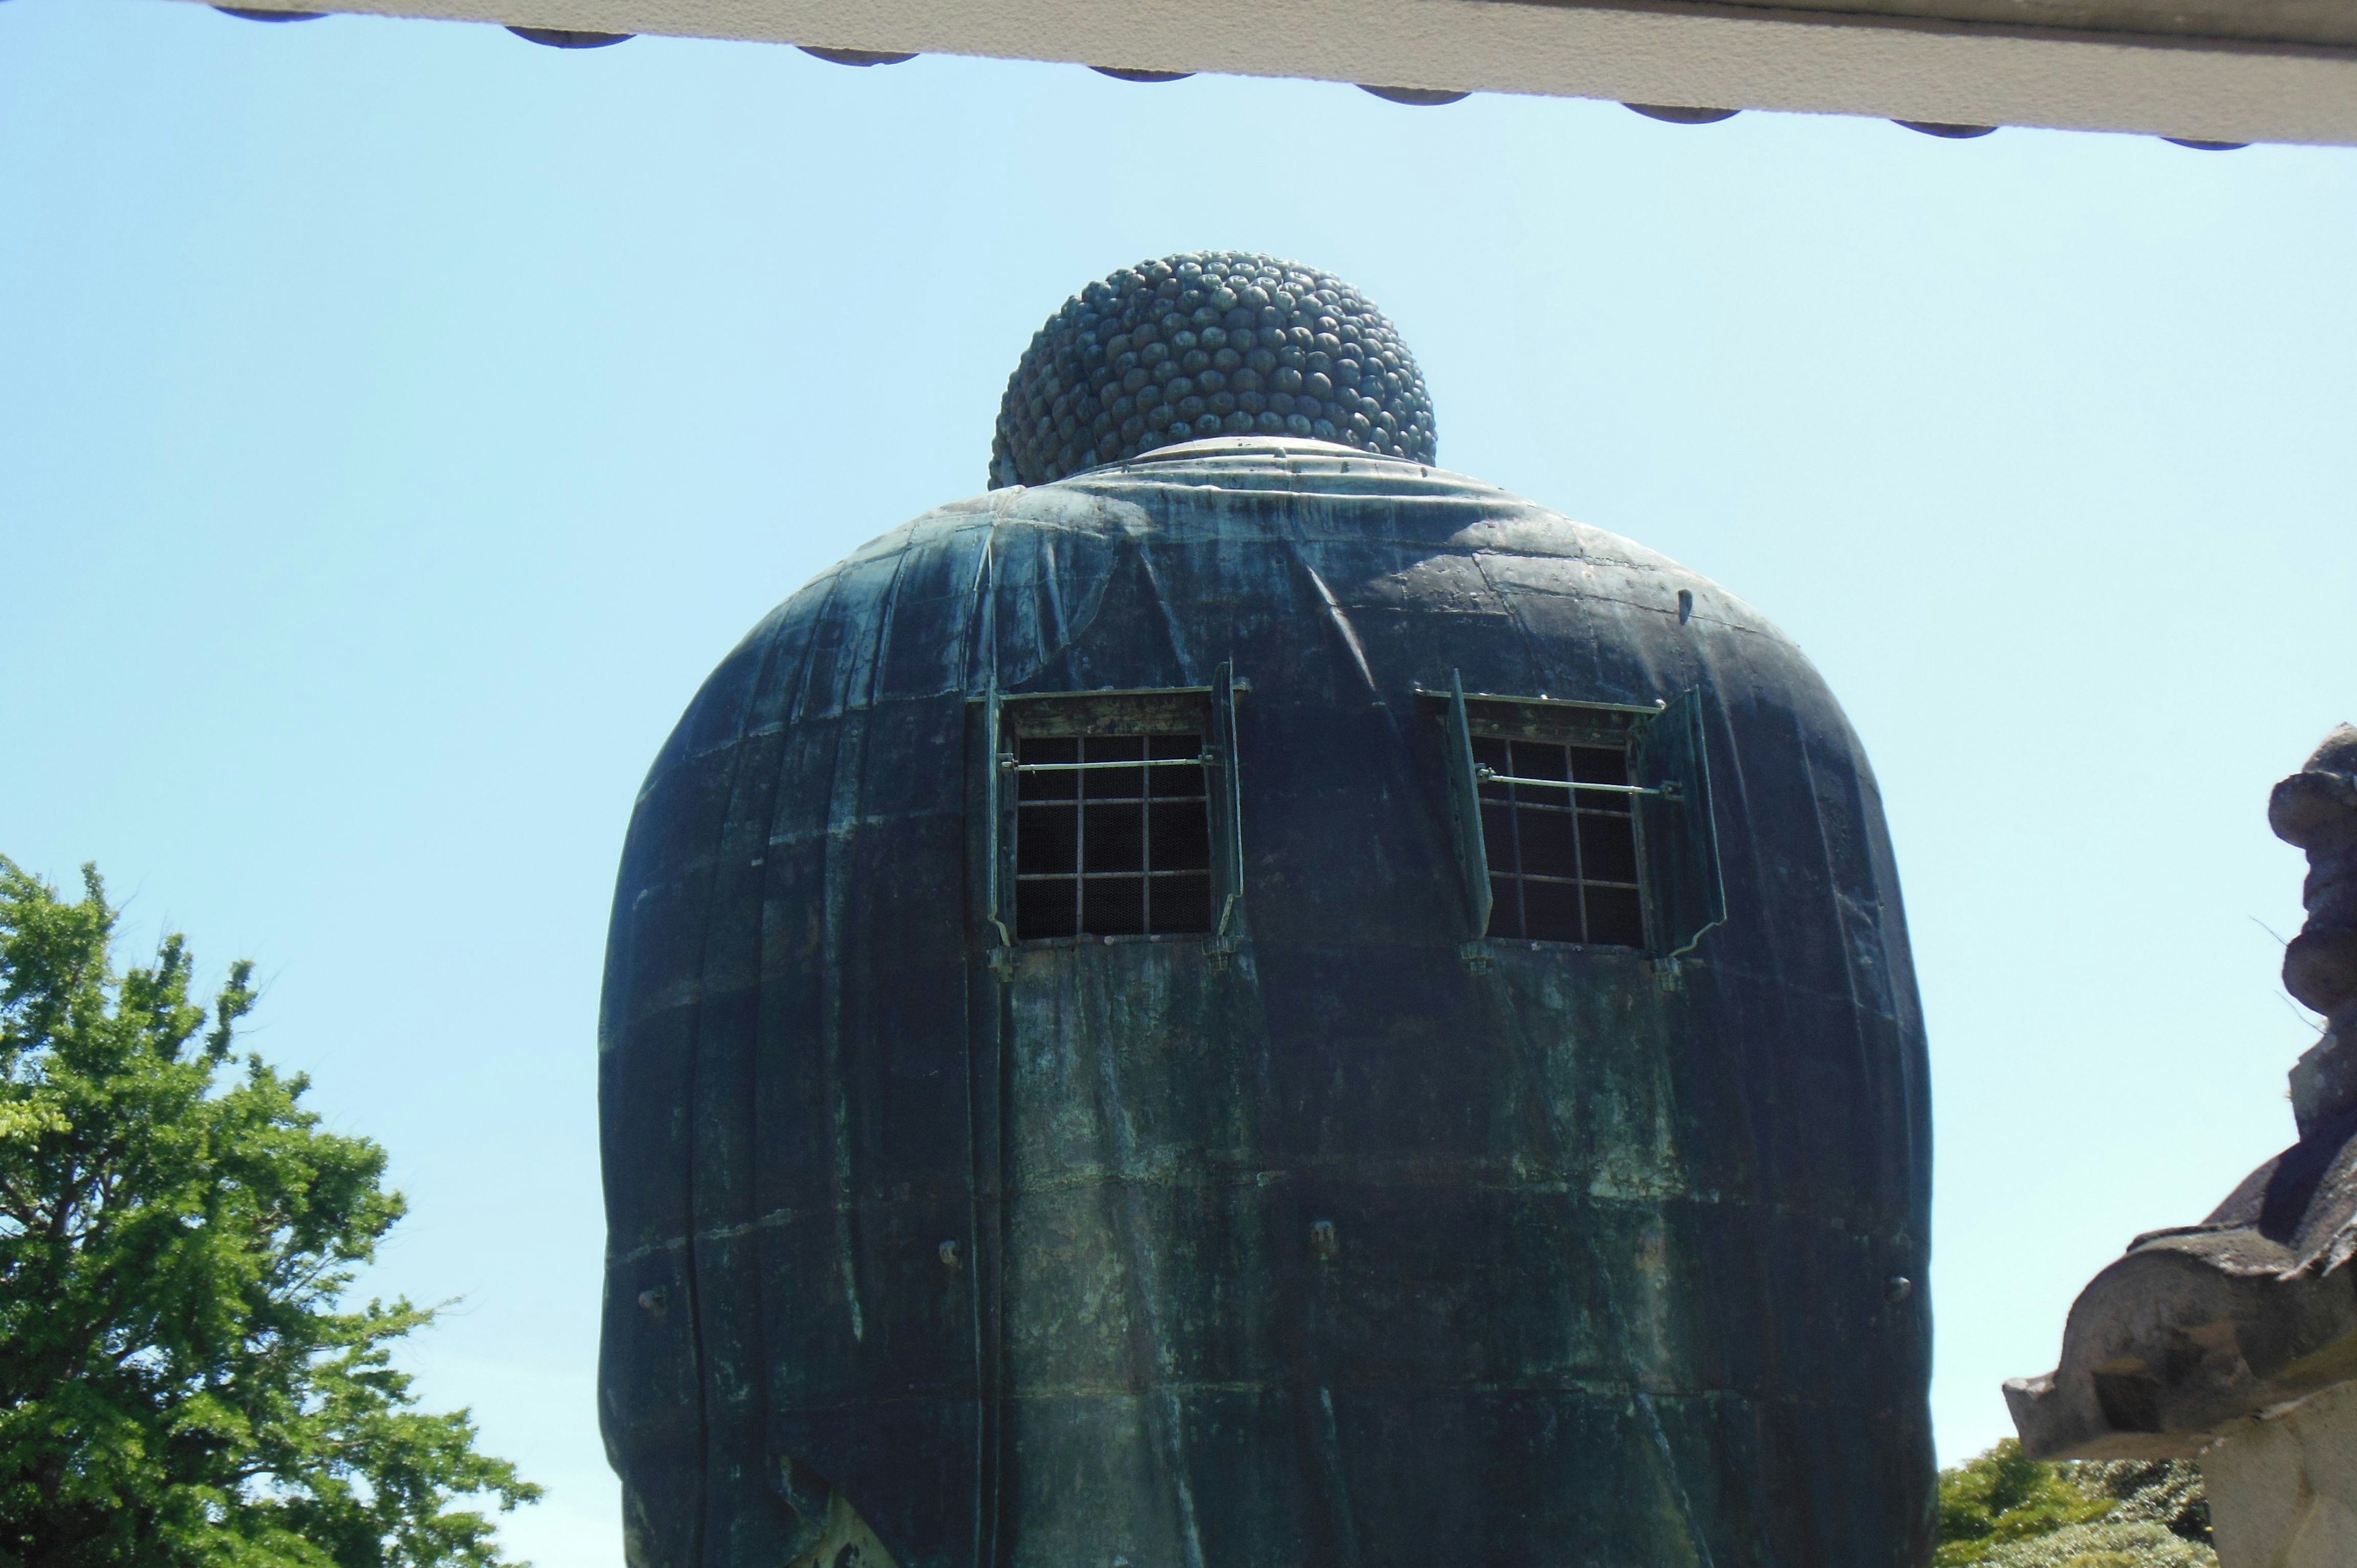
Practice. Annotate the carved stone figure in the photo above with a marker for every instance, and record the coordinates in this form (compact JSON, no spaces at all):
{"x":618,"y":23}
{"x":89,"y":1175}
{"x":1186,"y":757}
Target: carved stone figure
{"x":1244,"y":1001}
{"x":2235,"y":1339}
{"x":2316,"y":809}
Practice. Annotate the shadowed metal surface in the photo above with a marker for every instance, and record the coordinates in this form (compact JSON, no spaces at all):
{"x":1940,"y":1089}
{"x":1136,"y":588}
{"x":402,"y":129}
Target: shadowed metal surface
{"x":1346,"y":1252}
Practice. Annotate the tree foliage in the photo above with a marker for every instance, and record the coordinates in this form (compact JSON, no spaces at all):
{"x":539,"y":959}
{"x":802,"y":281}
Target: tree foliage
{"x":2005,"y":1510}
{"x":179,"y":1382}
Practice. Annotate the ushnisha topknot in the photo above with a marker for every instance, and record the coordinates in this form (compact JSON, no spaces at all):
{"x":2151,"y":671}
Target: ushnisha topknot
{"x":1207,"y":343}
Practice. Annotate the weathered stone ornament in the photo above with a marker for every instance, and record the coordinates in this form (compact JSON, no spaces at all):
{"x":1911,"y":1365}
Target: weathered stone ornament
{"x":1239,"y":1000}
{"x":2235,"y":1339}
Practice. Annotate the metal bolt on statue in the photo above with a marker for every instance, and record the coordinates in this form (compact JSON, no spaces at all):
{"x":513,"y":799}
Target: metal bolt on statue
{"x":1241,"y":1000}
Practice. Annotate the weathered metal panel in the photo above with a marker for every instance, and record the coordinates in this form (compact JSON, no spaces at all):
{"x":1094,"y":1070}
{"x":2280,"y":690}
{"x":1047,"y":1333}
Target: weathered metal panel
{"x":1337,"y":1251}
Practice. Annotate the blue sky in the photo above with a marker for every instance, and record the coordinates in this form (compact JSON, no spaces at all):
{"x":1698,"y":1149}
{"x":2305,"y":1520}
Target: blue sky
{"x":397,"y":419}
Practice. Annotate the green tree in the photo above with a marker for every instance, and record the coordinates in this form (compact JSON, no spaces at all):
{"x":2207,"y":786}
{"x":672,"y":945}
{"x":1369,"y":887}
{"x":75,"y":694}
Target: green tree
{"x":179,"y":1383}
{"x":2005,"y":1510}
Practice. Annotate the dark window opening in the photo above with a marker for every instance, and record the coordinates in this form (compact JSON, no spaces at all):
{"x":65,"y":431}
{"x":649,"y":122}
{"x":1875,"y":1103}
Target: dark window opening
{"x":1562,"y":857}
{"x":1112,"y":835}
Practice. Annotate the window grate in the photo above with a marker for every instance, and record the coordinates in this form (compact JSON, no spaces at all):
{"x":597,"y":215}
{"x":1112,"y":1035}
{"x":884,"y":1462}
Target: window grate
{"x":1112,"y":835}
{"x":1560,"y":839}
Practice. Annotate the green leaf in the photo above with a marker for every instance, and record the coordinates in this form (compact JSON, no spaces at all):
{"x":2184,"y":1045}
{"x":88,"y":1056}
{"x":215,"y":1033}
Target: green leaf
{"x":181,"y":1385}
{"x":2005,"y":1510}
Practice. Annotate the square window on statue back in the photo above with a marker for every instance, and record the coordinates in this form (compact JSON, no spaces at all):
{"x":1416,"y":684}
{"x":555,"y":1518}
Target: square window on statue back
{"x":1111,"y":827}
{"x":1558,"y":827}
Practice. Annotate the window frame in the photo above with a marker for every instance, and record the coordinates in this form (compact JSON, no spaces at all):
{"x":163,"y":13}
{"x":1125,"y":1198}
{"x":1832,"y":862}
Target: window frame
{"x":1591,"y":822}
{"x":1207,"y":710}
{"x":1681,"y":896}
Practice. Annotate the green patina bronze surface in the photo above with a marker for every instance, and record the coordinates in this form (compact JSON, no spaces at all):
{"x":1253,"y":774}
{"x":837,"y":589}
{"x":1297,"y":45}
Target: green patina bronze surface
{"x":1207,"y":343}
{"x":1341,"y":1248}
{"x":1344,"y":1234}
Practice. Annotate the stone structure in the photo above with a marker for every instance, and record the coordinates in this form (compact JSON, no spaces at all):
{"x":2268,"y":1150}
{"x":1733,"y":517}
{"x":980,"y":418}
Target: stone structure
{"x":2235,"y":1339}
{"x":1261,"y":1003}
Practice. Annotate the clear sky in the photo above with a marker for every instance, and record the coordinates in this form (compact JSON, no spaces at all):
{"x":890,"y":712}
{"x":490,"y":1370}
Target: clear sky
{"x":398,"y":420}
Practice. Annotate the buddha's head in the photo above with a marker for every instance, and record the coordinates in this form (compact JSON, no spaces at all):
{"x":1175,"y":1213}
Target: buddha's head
{"x":2316,"y":809}
{"x":1208,"y":343}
